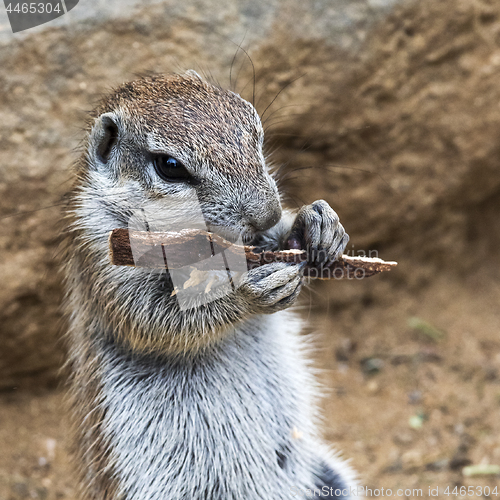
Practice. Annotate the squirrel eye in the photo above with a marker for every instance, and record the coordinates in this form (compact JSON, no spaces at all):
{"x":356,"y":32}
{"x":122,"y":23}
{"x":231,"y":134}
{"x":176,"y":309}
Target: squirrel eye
{"x":170,"y":169}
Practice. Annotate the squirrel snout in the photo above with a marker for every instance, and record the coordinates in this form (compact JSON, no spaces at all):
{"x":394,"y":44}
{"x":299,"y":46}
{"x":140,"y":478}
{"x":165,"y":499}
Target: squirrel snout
{"x":265,"y":218}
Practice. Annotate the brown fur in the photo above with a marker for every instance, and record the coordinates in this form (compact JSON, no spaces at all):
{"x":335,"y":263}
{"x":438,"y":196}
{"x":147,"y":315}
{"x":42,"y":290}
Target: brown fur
{"x":216,"y":118}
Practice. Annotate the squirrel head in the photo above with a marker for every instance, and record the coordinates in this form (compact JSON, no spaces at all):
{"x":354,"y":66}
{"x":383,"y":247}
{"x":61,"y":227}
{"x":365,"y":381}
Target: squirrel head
{"x":159,"y":144}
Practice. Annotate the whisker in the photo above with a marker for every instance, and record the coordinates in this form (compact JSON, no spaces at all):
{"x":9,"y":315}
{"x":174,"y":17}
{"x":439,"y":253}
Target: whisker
{"x":284,"y":107}
{"x":337,"y":166}
{"x":254,"y":76}
{"x":294,"y":199}
{"x":27,"y":212}
{"x":281,"y":90}
{"x":234,"y":60}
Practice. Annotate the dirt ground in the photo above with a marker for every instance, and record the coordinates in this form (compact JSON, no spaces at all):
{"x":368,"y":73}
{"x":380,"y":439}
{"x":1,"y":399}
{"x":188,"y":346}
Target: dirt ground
{"x":410,"y":360}
{"x":408,"y":410}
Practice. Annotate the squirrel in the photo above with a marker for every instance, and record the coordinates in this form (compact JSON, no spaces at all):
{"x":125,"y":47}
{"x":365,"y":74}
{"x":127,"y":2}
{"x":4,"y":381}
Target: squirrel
{"x":217,"y":401}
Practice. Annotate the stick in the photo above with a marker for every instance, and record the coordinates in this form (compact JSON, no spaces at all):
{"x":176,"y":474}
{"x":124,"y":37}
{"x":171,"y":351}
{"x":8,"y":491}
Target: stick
{"x":183,"y":248}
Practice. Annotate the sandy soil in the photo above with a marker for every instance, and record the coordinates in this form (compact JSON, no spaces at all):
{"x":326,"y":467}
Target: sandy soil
{"x":381,"y":373}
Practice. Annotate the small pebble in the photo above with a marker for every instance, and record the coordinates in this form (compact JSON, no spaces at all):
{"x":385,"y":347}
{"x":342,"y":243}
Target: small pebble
{"x":21,"y":489}
{"x":372,"y":366}
{"x":437,"y":465}
{"x":403,"y":438}
{"x":414,"y":397}
{"x":412,"y":458}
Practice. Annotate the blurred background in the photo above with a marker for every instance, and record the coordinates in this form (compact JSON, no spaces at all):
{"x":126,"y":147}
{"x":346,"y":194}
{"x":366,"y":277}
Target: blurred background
{"x":387,"y":109}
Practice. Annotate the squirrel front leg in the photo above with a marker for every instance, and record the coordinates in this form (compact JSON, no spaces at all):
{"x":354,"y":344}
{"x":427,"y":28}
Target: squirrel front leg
{"x":315,"y":228}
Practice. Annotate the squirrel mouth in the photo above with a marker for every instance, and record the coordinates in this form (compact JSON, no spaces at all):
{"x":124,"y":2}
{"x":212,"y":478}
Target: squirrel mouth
{"x":230,"y":234}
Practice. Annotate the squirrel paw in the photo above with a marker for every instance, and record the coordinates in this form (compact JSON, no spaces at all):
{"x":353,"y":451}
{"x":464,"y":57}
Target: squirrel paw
{"x":272,"y":287}
{"x":317,"y":229}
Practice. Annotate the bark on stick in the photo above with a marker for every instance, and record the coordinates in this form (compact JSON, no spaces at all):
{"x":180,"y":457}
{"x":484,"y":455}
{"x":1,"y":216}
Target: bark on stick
{"x":187,"y":247}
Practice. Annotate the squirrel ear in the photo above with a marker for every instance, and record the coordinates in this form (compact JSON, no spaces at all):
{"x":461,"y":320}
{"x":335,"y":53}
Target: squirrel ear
{"x":192,"y":73}
{"x":104,"y":136}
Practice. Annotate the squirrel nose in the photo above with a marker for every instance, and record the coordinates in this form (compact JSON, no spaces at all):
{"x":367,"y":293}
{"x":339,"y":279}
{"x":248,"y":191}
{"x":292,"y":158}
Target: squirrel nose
{"x":266,"y":218}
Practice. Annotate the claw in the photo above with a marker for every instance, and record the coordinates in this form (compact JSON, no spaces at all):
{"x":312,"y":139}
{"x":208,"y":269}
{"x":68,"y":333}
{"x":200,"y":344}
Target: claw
{"x":317,"y":229}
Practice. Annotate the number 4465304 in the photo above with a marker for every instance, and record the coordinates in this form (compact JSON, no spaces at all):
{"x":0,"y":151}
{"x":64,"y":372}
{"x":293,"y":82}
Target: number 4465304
{"x":34,"y":8}
{"x":471,"y":491}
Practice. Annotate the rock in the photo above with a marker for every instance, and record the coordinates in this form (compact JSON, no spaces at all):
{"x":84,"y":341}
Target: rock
{"x":20,"y":490}
{"x":345,"y":349}
{"x":371,"y":366}
{"x":412,"y":458}
{"x":384,"y":108}
{"x":414,"y":397}
{"x":403,"y":438}
{"x":51,"y":74}
{"x":437,"y":465}
{"x":373,"y":387}
{"x":459,"y":461}
{"x":394,"y":468}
